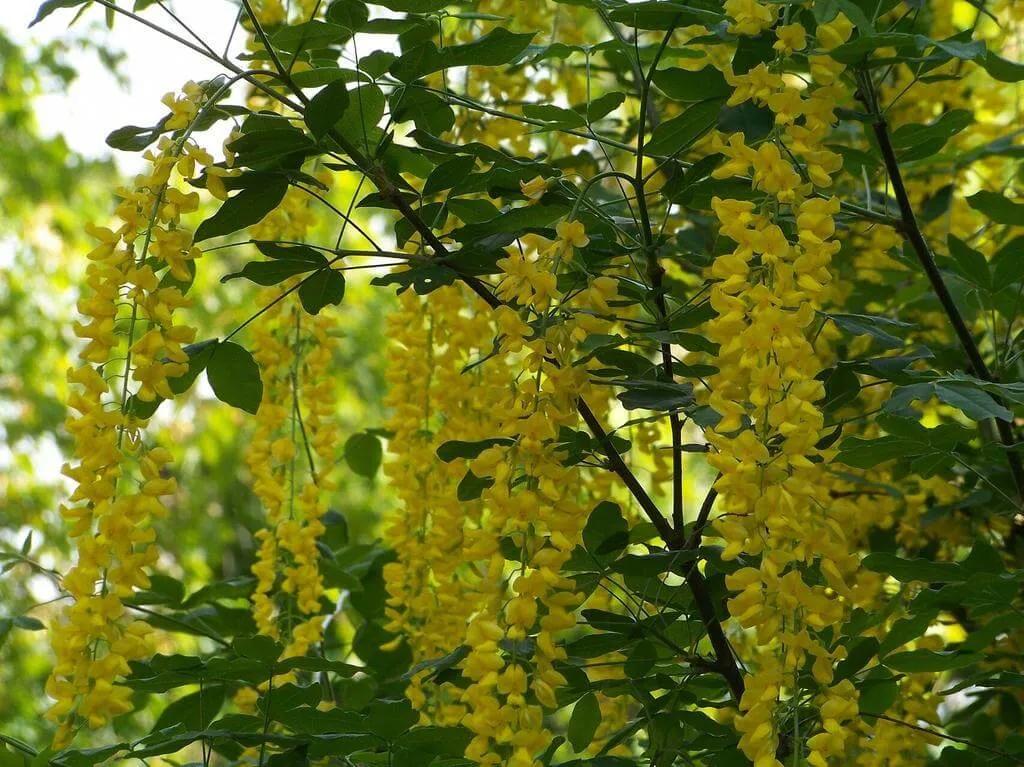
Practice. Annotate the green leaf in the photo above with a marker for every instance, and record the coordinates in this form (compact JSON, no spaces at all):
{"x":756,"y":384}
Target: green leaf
{"x":327,"y":107}
{"x":132,"y":138}
{"x":859,"y":48}
{"x":428,"y":111}
{"x":596,"y":645}
{"x":1008,"y":263}
{"x":448,"y":174}
{"x":239,"y":587}
{"x":363,"y":454}
{"x":421,"y":277}
{"x":451,"y":660}
{"x":235,"y":377}
{"x":287,"y":262}
{"x":998,"y":208}
{"x":163,"y":590}
{"x":872,"y":325}
{"x":52,"y":5}
{"x":516,"y":220}
{"x":282,"y":252}
{"x":193,"y":712}
{"x":258,"y":648}
{"x":272,"y":148}
{"x":325,"y":287}
{"x":423,"y":742}
{"x":453,"y":449}
{"x":585,"y":719}
{"x":606,"y":530}
{"x":85,"y":757}
{"x":309,"y":35}
{"x":691,"y":87}
{"x":471,"y":486}
{"x":496,"y":47}
{"x":471,"y":211}
{"x":906,"y":570}
{"x":656,"y":563}
{"x":914,"y":142}
{"x":916,"y":661}
{"x":973,"y":401}
{"x":359,"y":122}
{"x":350,"y":14}
{"x":601,"y":107}
{"x":674,"y":136}
{"x":663,"y":14}
{"x":388,"y":719}
{"x":562,"y":119}
{"x":641,"y":659}
{"x":655,"y":395}
{"x":246,"y":208}
{"x":1002,"y":69}
{"x":905,"y":630}
{"x":28,"y":623}
{"x":859,"y":652}
{"x":970,"y":263}
{"x":312,"y":663}
{"x":271,"y":272}
{"x":878,"y":691}
{"x":412,"y":6}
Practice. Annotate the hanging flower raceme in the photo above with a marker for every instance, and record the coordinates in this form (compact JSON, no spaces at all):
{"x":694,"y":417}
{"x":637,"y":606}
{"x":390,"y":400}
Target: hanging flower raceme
{"x":291,"y":455}
{"x":452,"y":584}
{"x":134,"y":347}
{"x":774,"y":488}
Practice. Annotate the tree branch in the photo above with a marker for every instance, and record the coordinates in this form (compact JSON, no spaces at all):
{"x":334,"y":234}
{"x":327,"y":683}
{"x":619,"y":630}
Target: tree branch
{"x":908,"y":226}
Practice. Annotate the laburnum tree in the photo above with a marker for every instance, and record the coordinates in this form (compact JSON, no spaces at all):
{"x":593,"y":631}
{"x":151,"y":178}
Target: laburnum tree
{"x":703,"y":391}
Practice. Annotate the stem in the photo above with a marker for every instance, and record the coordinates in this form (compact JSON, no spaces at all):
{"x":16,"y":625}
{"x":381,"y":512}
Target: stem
{"x":181,"y":623}
{"x":266,"y":721}
{"x":18,"y":745}
{"x":911,"y":230}
{"x":656,"y":275}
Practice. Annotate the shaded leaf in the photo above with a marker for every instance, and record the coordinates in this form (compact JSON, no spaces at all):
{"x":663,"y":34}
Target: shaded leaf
{"x":585,"y":719}
{"x":325,"y":287}
{"x":999,"y":208}
{"x":327,"y":107}
{"x":363,"y":454}
{"x":235,"y":377}
{"x":498,"y":46}
{"x":246,"y":208}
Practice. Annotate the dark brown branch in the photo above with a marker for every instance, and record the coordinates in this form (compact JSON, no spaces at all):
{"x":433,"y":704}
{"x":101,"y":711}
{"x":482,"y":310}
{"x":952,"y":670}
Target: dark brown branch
{"x":908,"y":226}
{"x":726,"y":662}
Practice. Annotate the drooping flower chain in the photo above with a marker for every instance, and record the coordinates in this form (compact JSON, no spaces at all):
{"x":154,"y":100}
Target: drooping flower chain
{"x":135,"y":346}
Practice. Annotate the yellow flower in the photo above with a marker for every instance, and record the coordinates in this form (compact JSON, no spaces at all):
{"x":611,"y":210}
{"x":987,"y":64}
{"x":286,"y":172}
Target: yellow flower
{"x":534,"y":188}
{"x":834,"y":33}
{"x":790,"y":38}
{"x":572,"y":233}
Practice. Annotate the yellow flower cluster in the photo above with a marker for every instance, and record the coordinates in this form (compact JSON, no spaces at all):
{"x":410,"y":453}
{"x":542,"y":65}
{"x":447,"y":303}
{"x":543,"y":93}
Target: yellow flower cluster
{"x":134,"y":347}
{"x":293,"y":451}
{"x":296,"y":415}
{"x":452,"y":583}
{"x":774,"y":492}
{"x":294,"y":448}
